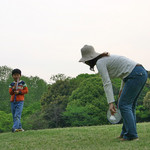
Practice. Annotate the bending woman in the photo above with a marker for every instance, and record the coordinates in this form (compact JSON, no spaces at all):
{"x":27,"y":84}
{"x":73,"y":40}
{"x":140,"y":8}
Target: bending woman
{"x":133,"y":77}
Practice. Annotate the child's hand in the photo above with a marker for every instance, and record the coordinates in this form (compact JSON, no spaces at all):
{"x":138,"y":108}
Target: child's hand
{"x":16,"y":92}
{"x":14,"y":87}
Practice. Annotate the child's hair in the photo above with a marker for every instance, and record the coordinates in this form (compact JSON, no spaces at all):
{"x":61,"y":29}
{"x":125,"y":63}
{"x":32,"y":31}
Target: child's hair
{"x":16,"y":71}
{"x":92,"y":62}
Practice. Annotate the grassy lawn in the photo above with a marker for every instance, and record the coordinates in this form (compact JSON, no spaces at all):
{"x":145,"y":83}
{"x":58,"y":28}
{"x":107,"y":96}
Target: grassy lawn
{"x":77,"y":138}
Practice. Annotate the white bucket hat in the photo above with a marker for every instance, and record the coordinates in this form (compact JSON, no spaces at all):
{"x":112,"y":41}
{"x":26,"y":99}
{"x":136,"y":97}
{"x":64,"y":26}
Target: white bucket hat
{"x":88,"y":53}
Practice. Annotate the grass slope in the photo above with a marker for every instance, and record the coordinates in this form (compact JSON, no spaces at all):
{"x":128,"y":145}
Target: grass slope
{"x":77,"y":138}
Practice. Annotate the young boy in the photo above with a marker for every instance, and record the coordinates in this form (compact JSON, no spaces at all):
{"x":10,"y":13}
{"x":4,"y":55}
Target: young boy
{"x":17,"y":89}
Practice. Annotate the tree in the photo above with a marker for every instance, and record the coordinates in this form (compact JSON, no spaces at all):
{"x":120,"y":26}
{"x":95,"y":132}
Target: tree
{"x":142,"y":114}
{"x":147,"y":101}
{"x":31,"y":117}
{"x":58,"y":77}
{"x":77,"y":115}
{"x":4,"y":73}
{"x":55,"y":101}
{"x":37,"y":87}
{"x":5,"y":80}
{"x":87,"y":104}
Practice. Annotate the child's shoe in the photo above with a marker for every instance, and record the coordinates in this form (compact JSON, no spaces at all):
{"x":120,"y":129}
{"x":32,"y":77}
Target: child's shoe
{"x":21,"y":130}
{"x":15,"y":130}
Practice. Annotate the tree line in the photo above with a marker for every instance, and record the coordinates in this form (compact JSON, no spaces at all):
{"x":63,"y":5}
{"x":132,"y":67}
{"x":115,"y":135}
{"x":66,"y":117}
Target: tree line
{"x":65,"y":102}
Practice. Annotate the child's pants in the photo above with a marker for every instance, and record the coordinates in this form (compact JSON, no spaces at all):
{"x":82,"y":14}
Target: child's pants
{"x":16,"y":109}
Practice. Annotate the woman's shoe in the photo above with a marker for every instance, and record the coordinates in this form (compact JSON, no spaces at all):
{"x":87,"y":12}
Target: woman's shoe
{"x":120,"y":137}
{"x":134,"y":139}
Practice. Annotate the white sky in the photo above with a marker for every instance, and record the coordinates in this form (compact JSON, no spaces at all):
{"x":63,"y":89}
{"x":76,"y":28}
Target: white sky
{"x":44,"y":37}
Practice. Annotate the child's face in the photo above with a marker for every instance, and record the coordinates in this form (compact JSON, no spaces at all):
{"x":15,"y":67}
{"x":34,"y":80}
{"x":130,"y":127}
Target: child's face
{"x":16,"y":76}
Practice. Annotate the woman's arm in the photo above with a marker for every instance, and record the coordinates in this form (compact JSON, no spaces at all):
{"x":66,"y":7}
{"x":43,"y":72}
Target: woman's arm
{"x":106,"y":82}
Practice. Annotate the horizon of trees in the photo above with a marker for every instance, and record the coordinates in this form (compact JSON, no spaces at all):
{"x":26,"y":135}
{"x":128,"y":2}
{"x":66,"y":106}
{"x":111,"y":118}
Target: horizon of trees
{"x":66,"y":102}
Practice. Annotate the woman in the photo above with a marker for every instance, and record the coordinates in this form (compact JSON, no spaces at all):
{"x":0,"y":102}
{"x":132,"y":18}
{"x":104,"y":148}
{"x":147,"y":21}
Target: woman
{"x":133,"y":77}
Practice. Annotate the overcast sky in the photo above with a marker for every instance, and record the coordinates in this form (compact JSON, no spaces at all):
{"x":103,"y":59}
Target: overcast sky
{"x":44,"y":37}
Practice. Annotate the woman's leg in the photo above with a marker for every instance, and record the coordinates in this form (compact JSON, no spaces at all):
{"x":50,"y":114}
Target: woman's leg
{"x":123,"y":129}
{"x":134,"y":84}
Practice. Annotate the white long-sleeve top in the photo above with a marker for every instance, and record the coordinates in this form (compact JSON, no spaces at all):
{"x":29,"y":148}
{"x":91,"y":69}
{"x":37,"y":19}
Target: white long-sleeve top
{"x":113,"y":66}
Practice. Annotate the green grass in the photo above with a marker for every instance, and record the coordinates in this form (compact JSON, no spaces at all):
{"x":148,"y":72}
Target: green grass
{"x":77,"y":138}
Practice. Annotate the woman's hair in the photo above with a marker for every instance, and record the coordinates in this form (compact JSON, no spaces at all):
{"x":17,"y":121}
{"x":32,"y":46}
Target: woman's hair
{"x":92,"y":62}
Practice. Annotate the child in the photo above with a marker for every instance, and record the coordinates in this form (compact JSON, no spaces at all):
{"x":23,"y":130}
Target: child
{"x":17,"y":89}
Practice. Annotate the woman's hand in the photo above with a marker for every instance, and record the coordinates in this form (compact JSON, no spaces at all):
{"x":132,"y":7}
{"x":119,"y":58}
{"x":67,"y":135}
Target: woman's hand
{"x":112,"y":108}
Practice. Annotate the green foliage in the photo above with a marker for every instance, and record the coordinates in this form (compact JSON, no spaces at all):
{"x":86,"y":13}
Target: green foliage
{"x":89,"y":90}
{"x":5,"y":80}
{"x":37,"y":87}
{"x":82,"y":115}
{"x":28,"y":115}
{"x":147,"y":101}
{"x":116,"y":83}
{"x":52,"y":114}
{"x":55,"y":101}
{"x":58,"y":77}
{"x":87,"y":104}
{"x":34,"y":121}
{"x":31,"y":109}
{"x":143,"y":93}
{"x":142,"y":114}
{"x":5,"y":122}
